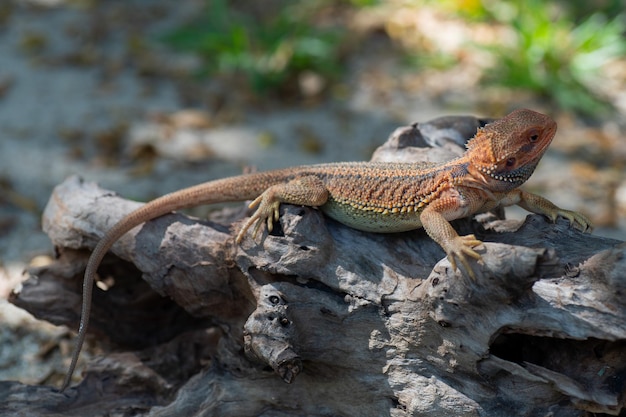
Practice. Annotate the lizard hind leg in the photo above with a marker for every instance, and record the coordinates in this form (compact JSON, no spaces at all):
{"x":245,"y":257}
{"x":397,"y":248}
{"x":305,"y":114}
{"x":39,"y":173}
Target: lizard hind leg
{"x":305,"y":191}
{"x":267,"y":212}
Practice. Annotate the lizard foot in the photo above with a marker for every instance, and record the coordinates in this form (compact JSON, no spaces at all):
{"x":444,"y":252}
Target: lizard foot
{"x":266,"y":213}
{"x":575,"y":219}
{"x":459,"y":248}
{"x":308,"y":190}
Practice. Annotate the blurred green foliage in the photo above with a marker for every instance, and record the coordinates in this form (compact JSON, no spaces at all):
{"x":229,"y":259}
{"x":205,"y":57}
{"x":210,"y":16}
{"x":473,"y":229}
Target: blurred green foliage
{"x":365,"y":3}
{"x":558,"y":48}
{"x":559,"y":51}
{"x":269,"y":49}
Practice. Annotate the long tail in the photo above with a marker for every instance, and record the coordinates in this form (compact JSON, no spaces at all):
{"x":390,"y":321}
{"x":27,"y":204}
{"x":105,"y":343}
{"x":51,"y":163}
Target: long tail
{"x":240,"y":188}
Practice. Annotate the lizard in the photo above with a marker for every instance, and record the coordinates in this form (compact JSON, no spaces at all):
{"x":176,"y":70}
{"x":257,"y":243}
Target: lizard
{"x":379,"y":197}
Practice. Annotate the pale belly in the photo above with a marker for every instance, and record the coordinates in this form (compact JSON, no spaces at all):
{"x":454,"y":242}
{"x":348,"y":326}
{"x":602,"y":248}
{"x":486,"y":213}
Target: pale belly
{"x":371,"y":221}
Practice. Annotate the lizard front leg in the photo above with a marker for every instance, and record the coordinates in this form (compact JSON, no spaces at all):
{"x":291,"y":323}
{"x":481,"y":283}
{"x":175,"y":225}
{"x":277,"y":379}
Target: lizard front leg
{"x":434,"y":221}
{"x":539,"y":205}
{"x":305,"y":191}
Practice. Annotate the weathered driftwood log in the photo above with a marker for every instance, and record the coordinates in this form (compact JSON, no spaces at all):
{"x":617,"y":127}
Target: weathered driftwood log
{"x":319,"y":319}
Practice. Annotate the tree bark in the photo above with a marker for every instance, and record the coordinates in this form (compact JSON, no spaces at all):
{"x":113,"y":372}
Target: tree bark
{"x":319,"y":319}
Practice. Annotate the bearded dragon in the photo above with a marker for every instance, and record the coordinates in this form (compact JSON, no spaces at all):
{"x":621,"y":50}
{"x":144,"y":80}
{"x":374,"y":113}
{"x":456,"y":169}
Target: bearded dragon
{"x":378,"y":197}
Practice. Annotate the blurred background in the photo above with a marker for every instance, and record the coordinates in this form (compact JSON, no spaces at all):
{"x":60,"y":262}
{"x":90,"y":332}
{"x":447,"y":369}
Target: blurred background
{"x":149,"y":96}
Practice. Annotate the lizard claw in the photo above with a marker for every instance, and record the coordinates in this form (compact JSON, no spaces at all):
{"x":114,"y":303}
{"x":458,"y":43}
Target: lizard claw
{"x":267,"y":212}
{"x":461,"y":247}
{"x":575,"y":219}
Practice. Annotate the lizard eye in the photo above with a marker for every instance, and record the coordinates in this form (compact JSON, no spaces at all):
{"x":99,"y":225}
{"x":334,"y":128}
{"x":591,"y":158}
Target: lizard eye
{"x":533,"y":135}
{"x":510,"y":162}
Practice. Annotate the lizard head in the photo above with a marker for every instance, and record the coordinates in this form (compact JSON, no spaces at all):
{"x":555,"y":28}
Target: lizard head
{"x":504,"y":154}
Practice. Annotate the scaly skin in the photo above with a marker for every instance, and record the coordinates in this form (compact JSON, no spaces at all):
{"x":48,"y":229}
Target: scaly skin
{"x":377,"y":196}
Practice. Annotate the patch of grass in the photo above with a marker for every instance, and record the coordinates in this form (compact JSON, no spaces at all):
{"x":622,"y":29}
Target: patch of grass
{"x":269,"y":50}
{"x":364,"y":3}
{"x":432,"y":60}
{"x":553,"y":56}
{"x":557,"y":49}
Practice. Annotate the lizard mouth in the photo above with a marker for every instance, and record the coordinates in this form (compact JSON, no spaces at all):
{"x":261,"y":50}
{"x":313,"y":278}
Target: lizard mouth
{"x":518,"y":175}
{"x":504,"y":180}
